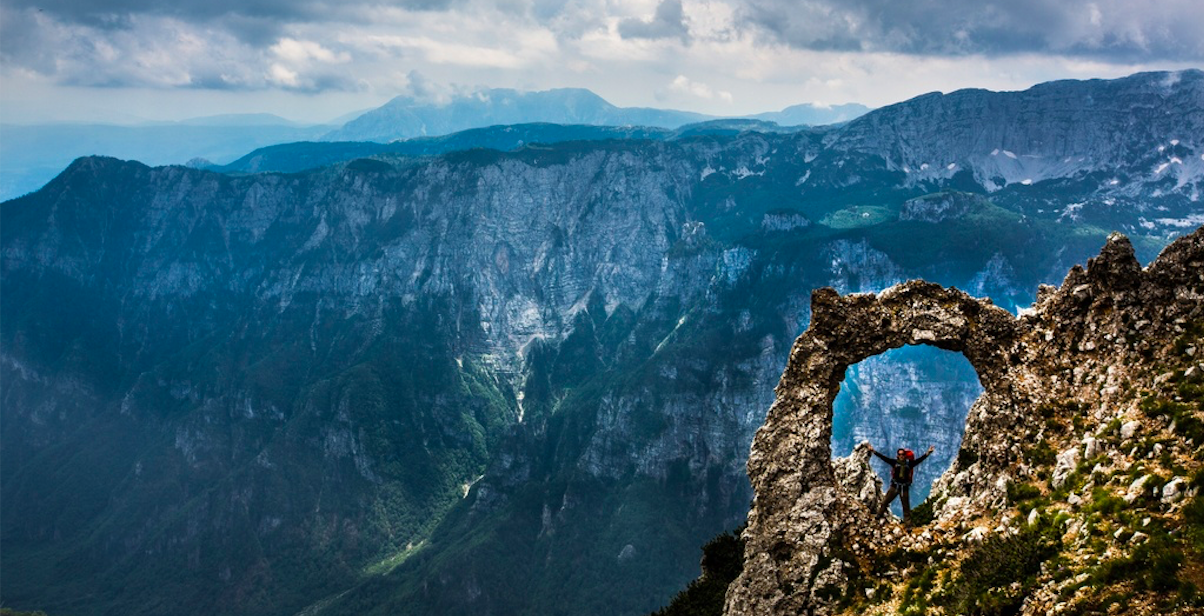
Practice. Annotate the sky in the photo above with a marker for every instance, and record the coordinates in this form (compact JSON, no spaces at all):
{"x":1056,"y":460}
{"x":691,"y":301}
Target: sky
{"x":316,"y":60}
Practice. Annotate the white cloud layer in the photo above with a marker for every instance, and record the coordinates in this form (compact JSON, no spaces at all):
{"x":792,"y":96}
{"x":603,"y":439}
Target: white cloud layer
{"x":717,"y":56}
{"x":668,"y":22}
{"x":1115,"y":30}
{"x":681,"y":83}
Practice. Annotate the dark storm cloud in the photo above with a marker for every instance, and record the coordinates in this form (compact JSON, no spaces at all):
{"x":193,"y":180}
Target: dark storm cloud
{"x":668,"y":22}
{"x":153,"y":51}
{"x":257,"y":22}
{"x":109,"y":12}
{"x":1117,"y":30}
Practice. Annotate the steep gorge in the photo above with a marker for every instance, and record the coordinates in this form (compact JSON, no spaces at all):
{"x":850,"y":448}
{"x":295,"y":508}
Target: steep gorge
{"x":473,"y":383}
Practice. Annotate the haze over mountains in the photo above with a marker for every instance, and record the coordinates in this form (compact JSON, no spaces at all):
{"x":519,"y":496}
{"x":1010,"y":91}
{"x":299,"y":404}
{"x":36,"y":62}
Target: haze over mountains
{"x":32,"y":155}
{"x":405,"y":117}
{"x":473,"y":381}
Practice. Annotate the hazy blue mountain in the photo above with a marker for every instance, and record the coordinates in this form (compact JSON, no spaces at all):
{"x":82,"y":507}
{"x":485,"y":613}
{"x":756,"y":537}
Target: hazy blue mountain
{"x":405,"y":117}
{"x":32,"y":155}
{"x":810,"y":114}
{"x":241,"y":119}
{"x":731,"y":127}
{"x":486,"y":382}
{"x":293,"y":157}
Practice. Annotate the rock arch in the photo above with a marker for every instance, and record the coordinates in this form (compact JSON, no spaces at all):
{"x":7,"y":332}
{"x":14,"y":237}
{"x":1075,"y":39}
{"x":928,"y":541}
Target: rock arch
{"x":802,"y":517}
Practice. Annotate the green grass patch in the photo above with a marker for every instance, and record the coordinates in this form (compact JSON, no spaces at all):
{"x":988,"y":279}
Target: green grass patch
{"x":922,"y":514}
{"x":1104,"y":502}
{"x":1154,"y":565}
{"x":1060,"y":414}
{"x":1021,"y":492}
{"x":1193,"y":336}
{"x":858,"y":216}
{"x":915,"y":595}
{"x":998,"y":574}
{"x":1041,"y":454}
{"x":390,"y":563}
{"x":1187,"y":425}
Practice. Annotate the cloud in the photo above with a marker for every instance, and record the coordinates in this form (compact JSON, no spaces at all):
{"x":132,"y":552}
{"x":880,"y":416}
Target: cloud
{"x":306,"y":66}
{"x":685,"y":85}
{"x":163,"y":52}
{"x":1121,"y":30}
{"x":441,"y":51}
{"x":668,"y":22}
{"x":153,"y":52}
{"x":304,"y":46}
{"x":100,"y":12}
{"x":255,"y":22}
{"x":305,"y":52}
{"x":626,"y":49}
{"x":420,"y":88}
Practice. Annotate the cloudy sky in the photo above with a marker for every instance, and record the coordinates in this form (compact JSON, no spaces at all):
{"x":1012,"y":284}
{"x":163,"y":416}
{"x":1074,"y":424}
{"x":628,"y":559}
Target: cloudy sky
{"x":313,"y":60}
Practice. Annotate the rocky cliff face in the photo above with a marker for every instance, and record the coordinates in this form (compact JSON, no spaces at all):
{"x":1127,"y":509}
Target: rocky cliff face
{"x":994,"y":136}
{"x":411,"y":385}
{"x":1105,"y":370}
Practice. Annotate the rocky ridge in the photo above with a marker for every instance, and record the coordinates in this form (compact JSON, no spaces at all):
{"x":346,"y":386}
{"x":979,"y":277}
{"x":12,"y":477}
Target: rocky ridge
{"x":993,"y":136}
{"x":277,"y":385}
{"x":1075,"y":489}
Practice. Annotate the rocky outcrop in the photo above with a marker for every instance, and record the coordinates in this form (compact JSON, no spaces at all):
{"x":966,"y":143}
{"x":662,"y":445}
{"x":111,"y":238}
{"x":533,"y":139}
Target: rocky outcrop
{"x":321,"y":364}
{"x":941,"y":206}
{"x":992,"y":135}
{"x":800,"y":509}
{"x":810,"y":532}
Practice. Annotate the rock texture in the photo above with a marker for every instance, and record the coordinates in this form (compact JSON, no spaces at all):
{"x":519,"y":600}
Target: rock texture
{"x":810,"y":531}
{"x":276,"y":385}
{"x":992,"y":136}
{"x":799,"y":501}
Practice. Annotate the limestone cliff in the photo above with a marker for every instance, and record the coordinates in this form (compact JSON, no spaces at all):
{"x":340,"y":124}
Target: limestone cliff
{"x":411,"y":385}
{"x":1075,"y":487}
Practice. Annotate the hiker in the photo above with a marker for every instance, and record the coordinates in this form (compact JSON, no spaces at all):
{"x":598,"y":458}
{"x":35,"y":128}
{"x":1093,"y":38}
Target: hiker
{"x":902,"y":467}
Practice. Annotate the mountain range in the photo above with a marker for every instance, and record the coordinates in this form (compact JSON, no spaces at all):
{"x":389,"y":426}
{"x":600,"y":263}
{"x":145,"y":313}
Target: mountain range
{"x":34,"y":154}
{"x":405,"y":117}
{"x":472,"y":381}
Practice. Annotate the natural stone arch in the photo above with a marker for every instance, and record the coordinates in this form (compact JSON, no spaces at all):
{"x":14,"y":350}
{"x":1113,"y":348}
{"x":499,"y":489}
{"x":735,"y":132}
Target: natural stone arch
{"x":913,"y":396}
{"x":801,"y":514}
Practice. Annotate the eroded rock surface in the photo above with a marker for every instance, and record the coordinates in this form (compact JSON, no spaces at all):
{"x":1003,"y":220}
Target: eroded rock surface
{"x":811,"y":530}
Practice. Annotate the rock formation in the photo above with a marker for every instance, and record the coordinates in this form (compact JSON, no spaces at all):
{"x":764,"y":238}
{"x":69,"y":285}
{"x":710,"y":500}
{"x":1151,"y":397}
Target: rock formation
{"x":1064,"y":377}
{"x":276,"y":382}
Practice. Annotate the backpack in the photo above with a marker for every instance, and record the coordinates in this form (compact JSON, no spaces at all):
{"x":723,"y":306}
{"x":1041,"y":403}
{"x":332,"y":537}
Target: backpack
{"x":909,"y":456}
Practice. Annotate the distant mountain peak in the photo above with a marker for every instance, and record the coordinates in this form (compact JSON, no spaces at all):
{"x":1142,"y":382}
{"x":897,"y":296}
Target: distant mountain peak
{"x":240,"y":119}
{"x":406,"y":116}
{"x":814,"y":114}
